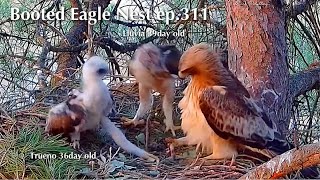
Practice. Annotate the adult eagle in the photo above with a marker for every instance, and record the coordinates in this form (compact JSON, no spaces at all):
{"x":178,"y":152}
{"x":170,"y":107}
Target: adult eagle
{"x":217,"y":111}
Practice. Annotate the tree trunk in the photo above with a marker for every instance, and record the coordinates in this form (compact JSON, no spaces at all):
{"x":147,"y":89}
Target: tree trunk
{"x":257,"y":54}
{"x":67,"y":61}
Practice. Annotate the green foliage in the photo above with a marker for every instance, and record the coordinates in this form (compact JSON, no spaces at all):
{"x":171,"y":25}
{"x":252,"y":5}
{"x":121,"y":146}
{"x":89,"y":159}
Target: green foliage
{"x":111,"y":7}
{"x":305,"y":47}
{"x":16,"y":150}
{"x":66,"y":24}
{"x":5,"y":8}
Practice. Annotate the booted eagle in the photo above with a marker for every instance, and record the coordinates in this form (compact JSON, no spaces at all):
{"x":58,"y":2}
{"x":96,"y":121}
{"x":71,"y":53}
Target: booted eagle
{"x":89,"y":109}
{"x":155,"y":68}
{"x":217,"y":111}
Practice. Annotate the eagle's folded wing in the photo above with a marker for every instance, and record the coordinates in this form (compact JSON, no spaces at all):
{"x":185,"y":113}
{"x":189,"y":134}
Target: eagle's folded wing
{"x":149,"y":56}
{"x":237,"y":118}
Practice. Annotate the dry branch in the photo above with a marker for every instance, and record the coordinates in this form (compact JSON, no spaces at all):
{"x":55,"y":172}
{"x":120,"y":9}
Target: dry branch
{"x":304,"y":81}
{"x":130,"y":24}
{"x":293,"y":160}
{"x":298,"y":7}
{"x":112,"y":59}
{"x":308,"y":34}
{"x":89,"y":35}
{"x":123,"y":48}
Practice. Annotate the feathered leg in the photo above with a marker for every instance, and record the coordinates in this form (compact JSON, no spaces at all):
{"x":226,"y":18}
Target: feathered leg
{"x":167,"y":107}
{"x":75,"y":139}
{"x":146,"y":101}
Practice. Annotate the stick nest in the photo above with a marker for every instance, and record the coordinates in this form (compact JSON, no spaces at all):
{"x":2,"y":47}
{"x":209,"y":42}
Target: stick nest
{"x":111,"y":162}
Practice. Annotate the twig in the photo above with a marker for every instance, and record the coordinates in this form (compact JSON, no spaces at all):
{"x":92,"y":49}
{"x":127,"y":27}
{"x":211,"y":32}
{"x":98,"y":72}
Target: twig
{"x":42,"y":116}
{"x":147,"y":132}
{"x":2,"y":176}
{"x":5,"y":21}
{"x":139,"y":174}
{"x":193,"y":163}
{"x":6,"y":113}
{"x":90,"y":38}
{"x":54,"y":29}
{"x":314,"y":107}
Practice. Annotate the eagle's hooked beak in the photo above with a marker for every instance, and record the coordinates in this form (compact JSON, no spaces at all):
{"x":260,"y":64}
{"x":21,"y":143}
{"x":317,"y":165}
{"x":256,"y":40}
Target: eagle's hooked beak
{"x":182,"y":75}
{"x":71,"y":95}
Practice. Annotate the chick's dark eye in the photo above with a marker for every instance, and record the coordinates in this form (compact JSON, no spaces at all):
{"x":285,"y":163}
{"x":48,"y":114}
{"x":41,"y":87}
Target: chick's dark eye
{"x":102,"y":71}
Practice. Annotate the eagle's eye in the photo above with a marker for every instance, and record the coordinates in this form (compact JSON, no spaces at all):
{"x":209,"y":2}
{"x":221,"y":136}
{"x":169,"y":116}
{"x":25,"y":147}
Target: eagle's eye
{"x":71,"y":95}
{"x":184,"y":73}
{"x":102,"y":71}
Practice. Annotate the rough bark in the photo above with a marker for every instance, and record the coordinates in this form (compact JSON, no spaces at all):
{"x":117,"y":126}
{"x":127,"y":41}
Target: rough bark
{"x":304,"y":81}
{"x":67,"y":61}
{"x":257,"y":53}
{"x":293,"y":160}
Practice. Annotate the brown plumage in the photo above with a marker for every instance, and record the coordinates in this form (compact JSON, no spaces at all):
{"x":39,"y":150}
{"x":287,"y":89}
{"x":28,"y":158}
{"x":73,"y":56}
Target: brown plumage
{"x":154,"y":67}
{"x":160,"y":61}
{"x":89,"y":110}
{"x":66,"y":118}
{"x":64,"y":124}
{"x":234,"y":117}
{"x":217,"y":111}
